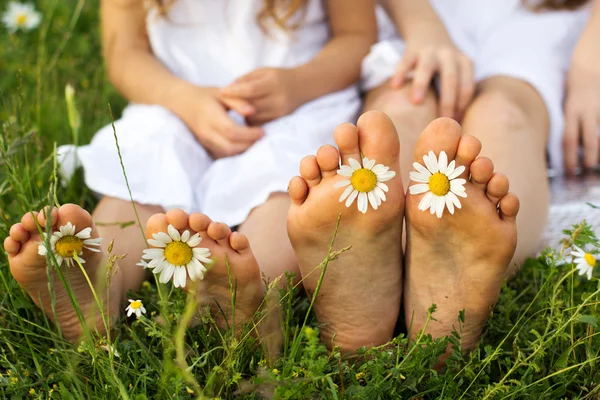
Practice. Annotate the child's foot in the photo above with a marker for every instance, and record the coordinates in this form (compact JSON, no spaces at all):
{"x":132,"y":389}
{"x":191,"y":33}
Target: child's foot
{"x":458,"y":261}
{"x":359,"y":300}
{"x":28,"y":268}
{"x":214,"y":289}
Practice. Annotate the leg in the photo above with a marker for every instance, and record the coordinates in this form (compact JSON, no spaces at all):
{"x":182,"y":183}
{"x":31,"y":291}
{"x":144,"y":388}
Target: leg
{"x":266,"y":230}
{"x":127,"y":241}
{"x":510,"y":119}
{"x":409,"y":119}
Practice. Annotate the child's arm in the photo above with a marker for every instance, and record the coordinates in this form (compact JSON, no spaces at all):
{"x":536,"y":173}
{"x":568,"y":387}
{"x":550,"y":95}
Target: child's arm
{"x":277,"y":91}
{"x":141,"y":78}
{"x":582,"y":107}
{"x":430,"y":50}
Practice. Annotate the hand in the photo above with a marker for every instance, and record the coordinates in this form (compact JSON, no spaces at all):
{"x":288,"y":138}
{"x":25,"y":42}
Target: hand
{"x":269,"y":90}
{"x":582,"y":112}
{"x":431,"y":54}
{"x":204,"y":110}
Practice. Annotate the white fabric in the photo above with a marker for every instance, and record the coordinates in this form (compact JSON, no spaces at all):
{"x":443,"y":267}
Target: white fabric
{"x":211,"y":43}
{"x":502,"y":38}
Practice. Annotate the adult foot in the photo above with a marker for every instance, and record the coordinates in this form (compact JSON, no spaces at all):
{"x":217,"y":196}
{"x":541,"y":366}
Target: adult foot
{"x":28,"y":268}
{"x":359,"y":300}
{"x":216,"y":286}
{"x":458,"y":261}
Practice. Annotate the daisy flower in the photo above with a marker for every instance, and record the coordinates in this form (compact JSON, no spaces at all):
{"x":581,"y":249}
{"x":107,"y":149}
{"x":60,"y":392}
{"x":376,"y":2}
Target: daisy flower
{"x":584,"y":262}
{"x":175,"y":254}
{"x":365,"y":182}
{"x":135,"y":307}
{"x":438,"y":180}
{"x":65,"y":243}
{"x":20,"y":16}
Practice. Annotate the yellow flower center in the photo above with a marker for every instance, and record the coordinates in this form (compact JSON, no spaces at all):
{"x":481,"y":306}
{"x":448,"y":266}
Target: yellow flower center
{"x":66,"y":246}
{"x":178,"y":253}
{"x":21,"y":19}
{"x":439,"y":184}
{"x":590,"y":259}
{"x":364,"y":180}
{"x":135,"y":304}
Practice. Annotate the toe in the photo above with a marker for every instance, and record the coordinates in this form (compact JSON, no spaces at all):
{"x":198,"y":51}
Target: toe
{"x":11,"y":246}
{"x":378,"y":139}
{"x":219,"y":232}
{"x":346,"y":138}
{"x":328,"y":159}
{"x":509,"y":207}
{"x":309,"y":170}
{"x":28,"y":221}
{"x":497,"y":187}
{"x":469,"y":148}
{"x":298,"y":190}
{"x":74,"y":214}
{"x":43,"y":216}
{"x":18,"y":233}
{"x":239,"y":242}
{"x":441,"y":134}
{"x":156,"y":223}
{"x":481,"y":172}
{"x":199,"y":223}
{"x":178,"y":218}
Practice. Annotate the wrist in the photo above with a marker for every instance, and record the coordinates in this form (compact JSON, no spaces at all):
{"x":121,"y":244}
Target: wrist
{"x":175,"y":97}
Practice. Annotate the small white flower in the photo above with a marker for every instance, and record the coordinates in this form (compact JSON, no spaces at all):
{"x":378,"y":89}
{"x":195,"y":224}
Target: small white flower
{"x":21,"y":16}
{"x":135,"y":307}
{"x":440,"y":183}
{"x":366,"y":183}
{"x":64,"y":243}
{"x":175,"y":254}
{"x":584,"y":262}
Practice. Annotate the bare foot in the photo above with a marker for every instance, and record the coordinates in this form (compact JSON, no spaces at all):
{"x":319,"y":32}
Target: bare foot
{"x":28,"y":268}
{"x":215,"y":287}
{"x":359,"y":300}
{"x":458,"y":261}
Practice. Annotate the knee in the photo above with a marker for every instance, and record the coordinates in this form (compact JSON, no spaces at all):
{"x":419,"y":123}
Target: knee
{"x":496,"y":108}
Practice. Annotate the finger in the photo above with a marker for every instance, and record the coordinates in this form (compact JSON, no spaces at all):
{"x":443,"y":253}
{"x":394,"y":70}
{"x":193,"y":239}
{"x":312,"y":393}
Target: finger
{"x":466,"y":86}
{"x":247,"y":89}
{"x":590,"y":141}
{"x":423,"y":74}
{"x":238,"y":105}
{"x":240,"y":133}
{"x":448,"y":85}
{"x":407,"y":64}
{"x":220,"y":146}
{"x":570,"y":140}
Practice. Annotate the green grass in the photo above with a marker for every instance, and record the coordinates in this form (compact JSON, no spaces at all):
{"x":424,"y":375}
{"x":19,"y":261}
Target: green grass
{"x":541,"y":341}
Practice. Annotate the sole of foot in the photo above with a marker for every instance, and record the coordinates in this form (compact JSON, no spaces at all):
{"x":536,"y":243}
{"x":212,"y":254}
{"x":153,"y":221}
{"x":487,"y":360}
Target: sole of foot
{"x":28,"y":268}
{"x":359,"y":299}
{"x":458,"y":261}
{"x":226,"y":248}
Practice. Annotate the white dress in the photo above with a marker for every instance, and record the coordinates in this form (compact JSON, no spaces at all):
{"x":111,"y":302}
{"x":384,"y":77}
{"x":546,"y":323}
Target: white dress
{"x":211,"y":43}
{"x":502,"y":38}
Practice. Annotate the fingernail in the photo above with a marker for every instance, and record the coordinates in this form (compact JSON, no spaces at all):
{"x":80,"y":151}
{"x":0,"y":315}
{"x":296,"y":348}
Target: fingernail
{"x":418,"y":95}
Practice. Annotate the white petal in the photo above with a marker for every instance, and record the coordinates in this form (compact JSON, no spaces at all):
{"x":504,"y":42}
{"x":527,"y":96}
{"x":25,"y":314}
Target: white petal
{"x":387,"y":176}
{"x":589,"y":273}
{"x":443,"y":162}
{"x":156,"y":243}
{"x":160,"y":266}
{"x":383,"y":187}
{"x":380,"y":193}
{"x":368,"y":164}
{"x":167,"y":274}
{"x":143,"y":309}
{"x":460,"y":193}
{"x":129,"y":311}
{"x":59,"y":260}
{"x":421,"y":169}
{"x":68,"y":229}
{"x":346,"y":193}
{"x":149,"y":254}
{"x":345,"y":171}
{"x":92,"y":242}
{"x":373,"y":200}
{"x":343,"y":183}
{"x":457,"y":187}
{"x":351,"y":198}
{"x":380,"y":169}
{"x":201,"y":252}
{"x":163,"y":237}
{"x":431,"y":162}
{"x":453,"y":199}
{"x":185,"y":236}
{"x":194,"y":240}
{"x":191,"y":269}
{"x":440,"y":207}
{"x":456,"y":172}
{"x":84,"y":233}
{"x":362,"y":202}
{"x":354,"y":164}
{"x":450,"y":168}
{"x":42,"y":251}
{"x":419,"y":177}
{"x":426,"y":201}
{"x":174,"y":233}
{"x":180,"y":276}
{"x":449,"y":204}
{"x":418,"y":188}
{"x":142,"y":264}
{"x":95,"y":250}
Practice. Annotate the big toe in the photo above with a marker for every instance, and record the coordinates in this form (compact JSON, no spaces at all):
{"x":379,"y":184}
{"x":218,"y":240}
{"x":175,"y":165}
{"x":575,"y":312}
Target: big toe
{"x":378,"y":139}
{"x":72,"y":213}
